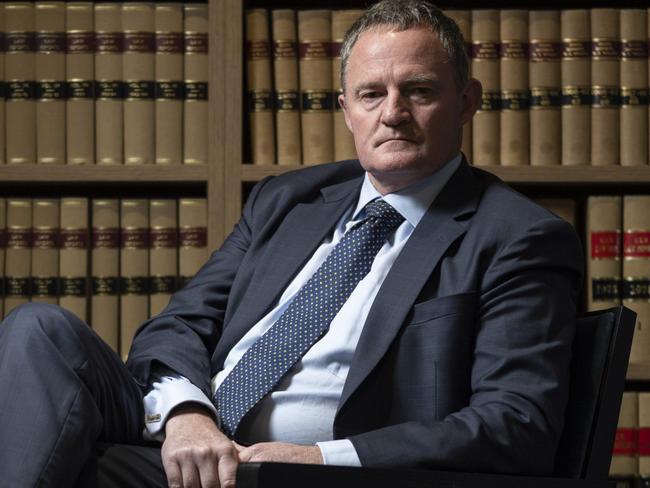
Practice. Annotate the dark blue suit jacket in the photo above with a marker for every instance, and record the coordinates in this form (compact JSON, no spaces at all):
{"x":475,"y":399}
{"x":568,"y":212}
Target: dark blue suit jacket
{"x":463,"y":361}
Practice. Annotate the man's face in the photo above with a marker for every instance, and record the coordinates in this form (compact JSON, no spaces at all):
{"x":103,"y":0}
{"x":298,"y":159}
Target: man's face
{"x":402,"y":105}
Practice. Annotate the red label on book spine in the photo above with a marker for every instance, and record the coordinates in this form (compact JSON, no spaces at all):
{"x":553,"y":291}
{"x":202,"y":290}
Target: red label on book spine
{"x":605,"y":245}
{"x":626,"y":442}
{"x":636,"y":244}
{"x":644,"y":441}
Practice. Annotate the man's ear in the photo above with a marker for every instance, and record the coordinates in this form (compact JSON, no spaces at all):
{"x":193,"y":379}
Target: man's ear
{"x":344,"y":107}
{"x":471,"y":100}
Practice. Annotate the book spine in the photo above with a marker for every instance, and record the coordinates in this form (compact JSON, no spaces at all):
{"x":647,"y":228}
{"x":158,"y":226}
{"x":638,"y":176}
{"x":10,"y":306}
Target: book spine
{"x":644,"y":435}
{"x":134,"y":269}
{"x":634,"y":87}
{"x":286,"y":97}
{"x":138,"y":22}
{"x":515,"y":96}
{"x":192,"y":237}
{"x":565,"y":208}
{"x":80,"y":73}
{"x":169,"y":83}
{"x":604,"y":216}
{"x":316,"y":96}
{"x":576,"y":87}
{"x":45,"y":251}
{"x":3,"y":90}
{"x":624,"y":457}
{"x":50,"y":82}
{"x":163,"y":253}
{"x":636,"y":271}
{"x":105,"y":270}
{"x":605,"y":86}
{"x":20,"y":108}
{"x":18,"y":253}
{"x":73,"y":256}
{"x":109,"y":86}
{"x":3,"y":249}
{"x":545,"y":88}
{"x":485,"y":68}
{"x":195,"y":138}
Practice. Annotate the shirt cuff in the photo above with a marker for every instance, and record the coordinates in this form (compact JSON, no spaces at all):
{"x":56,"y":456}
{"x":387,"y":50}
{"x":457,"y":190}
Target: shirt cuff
{"x":167,"y":393}
{"x":339,"y":452}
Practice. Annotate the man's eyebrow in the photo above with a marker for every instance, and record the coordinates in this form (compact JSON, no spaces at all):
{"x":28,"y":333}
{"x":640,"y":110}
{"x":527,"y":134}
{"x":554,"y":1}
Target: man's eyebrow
{"x":421,"y":79}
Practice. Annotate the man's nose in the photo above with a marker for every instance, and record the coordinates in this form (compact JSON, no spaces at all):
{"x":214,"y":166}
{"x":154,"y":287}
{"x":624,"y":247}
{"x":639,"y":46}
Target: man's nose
{"x":396,"y":110}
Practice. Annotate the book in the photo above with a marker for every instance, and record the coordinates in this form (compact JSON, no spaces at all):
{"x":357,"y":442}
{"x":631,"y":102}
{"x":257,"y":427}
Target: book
{"x":134,"y":269}
{"x":73,"y":256}
{"x":195,"y":122}
{"x":515,"y":96}
{"x":3,"y":248}
{"x":169,"y":83}
{"x":138,"y":70}
{"x":545,"y":87}
{"x":605,"y":86}
{"x":105,"y":270}
{"x":624,"y":456}
{"x":109,"y":87}
{"x":80,"y":72}
{"x":3,"y":91}
{"x":644,"y":435}
{"x":18,"y":253}
{"x":49,"y":21}
{"x":285,"y":77}
{"x":20,"y":106}
{"x":45,"y":251}
{"x":636,"y":271}
{"x":163,"y":253}
{"x":316,"y":96}
{"x":192,"y":237}
{"x":485,"y":68}
{"x":576,"y":87}
{"x":603,"y":241}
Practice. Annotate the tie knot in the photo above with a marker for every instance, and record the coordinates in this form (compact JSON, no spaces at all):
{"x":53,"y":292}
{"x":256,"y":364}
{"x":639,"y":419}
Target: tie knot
{"x":383,"y":210}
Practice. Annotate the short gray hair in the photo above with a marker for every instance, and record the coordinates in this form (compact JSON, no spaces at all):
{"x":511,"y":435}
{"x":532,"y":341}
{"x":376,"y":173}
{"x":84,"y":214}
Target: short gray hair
{"x":401,"y":15}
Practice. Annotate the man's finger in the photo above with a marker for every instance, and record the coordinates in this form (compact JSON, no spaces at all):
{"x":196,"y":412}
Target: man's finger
{"x":227,"y":471}
{"x":173,"y":473}
{"x":191,"y":478}
{"x":209,"y":474}
{"x":239,"y":447}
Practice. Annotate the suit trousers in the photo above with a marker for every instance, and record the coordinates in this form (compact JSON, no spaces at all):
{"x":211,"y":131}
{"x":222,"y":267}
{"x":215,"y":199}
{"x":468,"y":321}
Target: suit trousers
{"x":62,"y":389}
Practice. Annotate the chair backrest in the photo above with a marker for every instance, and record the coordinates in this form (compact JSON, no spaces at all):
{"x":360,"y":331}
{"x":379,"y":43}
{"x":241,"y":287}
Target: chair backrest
{"x":600,"y":353}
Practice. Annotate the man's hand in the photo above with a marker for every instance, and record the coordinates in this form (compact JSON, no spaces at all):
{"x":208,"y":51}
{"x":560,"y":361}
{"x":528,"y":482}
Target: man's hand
{"x":195,"y":452}
{"x":279,"y":452}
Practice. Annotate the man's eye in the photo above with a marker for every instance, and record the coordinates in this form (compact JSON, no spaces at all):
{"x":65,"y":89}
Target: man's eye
{"x":370,"y":95}
{"x":422,"y":92}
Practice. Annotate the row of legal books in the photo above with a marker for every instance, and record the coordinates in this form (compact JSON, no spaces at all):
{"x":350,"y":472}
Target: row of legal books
{"x":112,"y":262}
{"x":631,"y":455}
{"x":105,"y":83}
{"x":560,"y":87}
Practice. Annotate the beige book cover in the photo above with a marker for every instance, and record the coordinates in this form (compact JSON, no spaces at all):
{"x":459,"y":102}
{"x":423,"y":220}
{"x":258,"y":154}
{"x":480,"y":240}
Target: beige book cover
{"x":342,"y":20}
{"x":545,"y":87}
{"x":138,"y":24}
{"x":624,"y":456}
{"x":485,"y":68}
{"x":134,"y":269}
{"x":463,"y":19}
{"x":515,"y":96}
{"x":80,"y":71}
{"x":576,"y":87}
{"x":644,"y":434}
{"x":604,"y":224}
{"x":195,"y":135}
{"x":20,"y":73}
{"x":605,"y":86}
{"x":18,"y":253}
{"x":105,"y":270}
{"x":3,"y":249}
{"x":49,"y":21}
{"x":163,"y":253}
{"x":285,"y":77}
{"x":636,"y":271}
{"x":45,"y":251}
{"x":634,"y":87}
{"x":109,"y":87}
{"x":2,"y":93}
{"x":192,"y":237}
{"x":316,"y":96}
{"x":73,"y":256}
{"x":169,"y":83}
{"x":565,"y":208}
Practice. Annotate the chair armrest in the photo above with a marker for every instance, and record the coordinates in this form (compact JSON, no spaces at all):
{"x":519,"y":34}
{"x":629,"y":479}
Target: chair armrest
{"x":280,"y":475}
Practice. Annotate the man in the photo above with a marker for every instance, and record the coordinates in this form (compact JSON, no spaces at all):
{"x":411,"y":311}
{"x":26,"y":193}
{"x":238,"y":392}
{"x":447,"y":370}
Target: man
{"x":433,"y":308}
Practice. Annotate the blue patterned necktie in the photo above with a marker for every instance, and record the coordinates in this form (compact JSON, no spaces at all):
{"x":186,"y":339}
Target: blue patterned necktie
{"x":307,"y":317}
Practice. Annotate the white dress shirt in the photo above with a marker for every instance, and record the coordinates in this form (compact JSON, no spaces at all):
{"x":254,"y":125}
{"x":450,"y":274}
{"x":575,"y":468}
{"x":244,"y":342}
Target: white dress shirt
{"x":301,"y":408}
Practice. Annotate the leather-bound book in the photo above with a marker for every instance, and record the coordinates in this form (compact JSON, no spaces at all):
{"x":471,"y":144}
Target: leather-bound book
{"x":109,"y":87}
{"x":18,"y":253}
{"x":50,"y":90}
{"x":138,"y":65}
{"x":576,"y":87}
{"x":105,"y":270}
{"x":485,"y":68}
{"x":80,"y":71}
{"x":192,"y":237}
{"x":45,"y":251}
{"x":195,"y":142}
{"x":3,"y":249}
{"x":163,"y":253}
{"x":169,"y":83}
{"x":625,"y":464}
{"x":644,"y":437}
{"x":73,"y":256}
{"x":605,"y":86}
{"x":317,"y":98}
{"x":564,"y":208}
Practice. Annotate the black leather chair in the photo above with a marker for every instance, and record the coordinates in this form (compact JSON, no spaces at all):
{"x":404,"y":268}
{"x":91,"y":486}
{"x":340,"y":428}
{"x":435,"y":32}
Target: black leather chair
{"x":600,"y":355}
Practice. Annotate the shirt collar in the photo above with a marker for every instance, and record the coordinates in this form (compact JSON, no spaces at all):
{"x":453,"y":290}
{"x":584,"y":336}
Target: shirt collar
{"x":413,"y":201}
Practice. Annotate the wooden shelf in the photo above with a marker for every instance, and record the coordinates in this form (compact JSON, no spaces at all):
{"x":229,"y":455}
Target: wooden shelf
{"x":638,"y":372}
